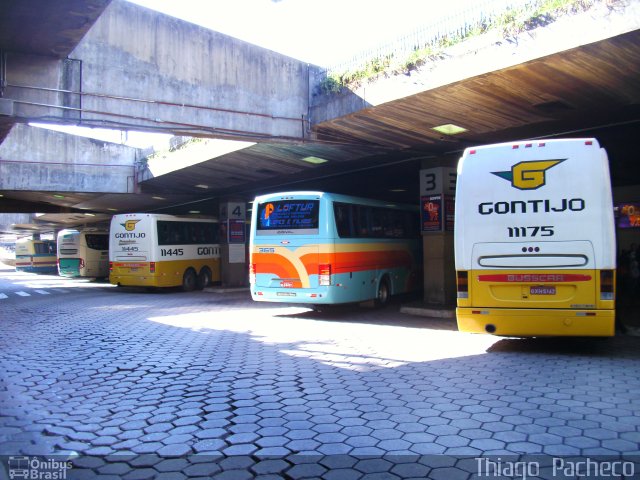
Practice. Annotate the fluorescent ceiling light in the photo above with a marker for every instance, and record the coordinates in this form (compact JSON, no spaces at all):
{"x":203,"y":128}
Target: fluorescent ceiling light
{"x":201,"y":185}
{"x":89,"y":214}
{"x":314,"y":160}
{"x":158,"y":198}
{"x":58,"y":196}
{"x":194,"y":211}
{"x":398,"y":190}
{"x":112,"y":209}
{"x":449,"y":129}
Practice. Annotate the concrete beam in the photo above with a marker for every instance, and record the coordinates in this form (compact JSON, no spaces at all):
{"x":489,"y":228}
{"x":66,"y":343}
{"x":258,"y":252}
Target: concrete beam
{"x":138,"y":69}
{"x":36,"y":159}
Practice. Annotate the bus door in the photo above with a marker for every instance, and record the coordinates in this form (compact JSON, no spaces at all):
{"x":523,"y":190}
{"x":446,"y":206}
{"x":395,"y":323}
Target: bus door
{"x":534,"y":275}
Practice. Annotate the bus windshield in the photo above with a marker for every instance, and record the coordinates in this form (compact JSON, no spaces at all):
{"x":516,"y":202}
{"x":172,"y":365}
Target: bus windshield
{"x":293,"y":216}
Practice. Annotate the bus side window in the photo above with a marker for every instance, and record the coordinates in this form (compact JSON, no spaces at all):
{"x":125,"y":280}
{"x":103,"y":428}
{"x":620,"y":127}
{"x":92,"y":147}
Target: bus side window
{"x":361,"y":221}
{"x":343,"y":220}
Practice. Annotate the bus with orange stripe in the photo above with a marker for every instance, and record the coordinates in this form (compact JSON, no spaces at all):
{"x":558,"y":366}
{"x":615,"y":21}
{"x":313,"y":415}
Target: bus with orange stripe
{"x":322,"y":248}
{"x":535,"y":239}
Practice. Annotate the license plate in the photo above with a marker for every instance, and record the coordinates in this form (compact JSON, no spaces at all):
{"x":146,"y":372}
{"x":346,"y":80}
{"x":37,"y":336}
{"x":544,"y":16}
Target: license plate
{"x":134,"y":269}
{"x":285,"y":294}
{"x":542,"y":291}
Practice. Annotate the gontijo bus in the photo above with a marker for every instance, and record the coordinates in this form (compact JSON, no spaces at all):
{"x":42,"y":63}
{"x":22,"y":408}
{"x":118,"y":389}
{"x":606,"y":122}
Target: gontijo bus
{"x":322,"y":248}
{"x":83,"y":253}
{"x":535,"y":239}
{"x":36,"y":256}
{"x":155,"y":250}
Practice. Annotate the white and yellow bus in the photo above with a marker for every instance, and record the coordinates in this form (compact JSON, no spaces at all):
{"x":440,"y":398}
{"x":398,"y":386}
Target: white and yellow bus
{"x":535,"y":239}
{"x":83,"y":253}
{"x":154,"y":250}
{"x":36,"y":256}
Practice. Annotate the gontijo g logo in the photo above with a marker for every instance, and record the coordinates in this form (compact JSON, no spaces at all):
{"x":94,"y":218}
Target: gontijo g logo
{"x":130,"y":225}
{"x":528,"y":175}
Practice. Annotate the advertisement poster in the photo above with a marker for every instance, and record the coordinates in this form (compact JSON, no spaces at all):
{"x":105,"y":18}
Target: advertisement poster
{"x":432,"y":216}
{"x":628,"y":215}
{"x":236,"y":231}
{"x":449,"y":212}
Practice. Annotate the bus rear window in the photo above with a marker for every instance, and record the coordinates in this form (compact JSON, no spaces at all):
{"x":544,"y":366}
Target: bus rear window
{"x":288,"y":216}
{"x":97,"y":242}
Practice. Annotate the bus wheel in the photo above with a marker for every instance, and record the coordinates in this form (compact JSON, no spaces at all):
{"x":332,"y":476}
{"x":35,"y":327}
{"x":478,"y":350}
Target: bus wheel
{"x":382,"y":297}
{"x":189,"y":281}
{"x":204,"y":278}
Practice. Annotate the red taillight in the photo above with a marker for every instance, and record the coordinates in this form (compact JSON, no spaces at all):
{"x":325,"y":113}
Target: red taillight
{"x":252,"y":273}
{"x":110,"y":267}
{"x":606,"y":285}
{"x":463,"y":284}
{"x":324,"y":274}
{"x":152,"y":267}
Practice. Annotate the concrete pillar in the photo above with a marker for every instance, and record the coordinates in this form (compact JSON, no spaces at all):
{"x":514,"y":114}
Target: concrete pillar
{"x":439,"y":271}
{"x":233,"y":244}
{"x":437,"y":193}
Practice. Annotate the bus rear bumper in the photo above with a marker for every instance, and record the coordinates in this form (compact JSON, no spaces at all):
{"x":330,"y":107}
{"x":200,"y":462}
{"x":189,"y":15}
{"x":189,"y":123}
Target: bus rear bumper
{"x":536,"y":323}
{"x":309,"y":297}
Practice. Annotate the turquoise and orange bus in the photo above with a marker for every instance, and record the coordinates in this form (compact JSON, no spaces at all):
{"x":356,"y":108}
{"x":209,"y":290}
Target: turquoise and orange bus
{"x":322,"y":248}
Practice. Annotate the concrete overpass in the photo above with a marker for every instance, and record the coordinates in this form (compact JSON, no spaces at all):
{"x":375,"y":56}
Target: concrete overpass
{"x":113,"y":63}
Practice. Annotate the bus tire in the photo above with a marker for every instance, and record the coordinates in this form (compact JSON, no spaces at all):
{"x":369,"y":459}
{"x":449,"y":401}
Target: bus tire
{"x":204,"y":278}
{"x":383,"y":293}
{"x":189,"y":281}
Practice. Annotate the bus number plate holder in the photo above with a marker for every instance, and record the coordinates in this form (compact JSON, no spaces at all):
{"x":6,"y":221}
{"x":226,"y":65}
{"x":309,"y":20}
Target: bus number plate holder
{"x":542,"y":290}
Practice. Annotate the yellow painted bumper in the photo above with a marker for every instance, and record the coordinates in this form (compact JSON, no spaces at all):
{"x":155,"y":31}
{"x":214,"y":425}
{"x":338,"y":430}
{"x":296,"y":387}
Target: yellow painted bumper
{"x":536,"y":322}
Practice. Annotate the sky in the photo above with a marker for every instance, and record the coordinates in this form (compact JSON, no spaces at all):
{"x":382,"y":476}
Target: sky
{"x":319,"y":32}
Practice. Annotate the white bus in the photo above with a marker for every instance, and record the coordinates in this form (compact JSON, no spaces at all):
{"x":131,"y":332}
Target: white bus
{"x":83,"y":253}
{"x":155,"y":250}
{"x":535,"y":239}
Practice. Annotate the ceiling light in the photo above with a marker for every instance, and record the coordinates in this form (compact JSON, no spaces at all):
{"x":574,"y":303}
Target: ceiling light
{"x":112,"y":209}
{"x":89,"y":214}
{"x":449,"y":129}
{"x":398,"y":190}
{"x":160,"y":198}
{"x":194,"y":211}
{"x":58,"y":196}
{"x":201,"y":185}
{"x":314,"y":160}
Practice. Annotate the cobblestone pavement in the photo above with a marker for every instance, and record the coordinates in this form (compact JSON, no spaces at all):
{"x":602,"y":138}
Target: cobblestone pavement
{"x":131,"y":384}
